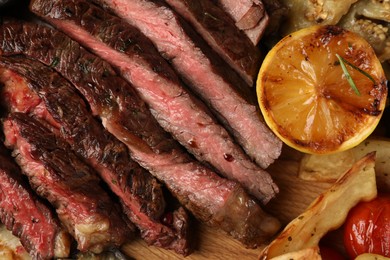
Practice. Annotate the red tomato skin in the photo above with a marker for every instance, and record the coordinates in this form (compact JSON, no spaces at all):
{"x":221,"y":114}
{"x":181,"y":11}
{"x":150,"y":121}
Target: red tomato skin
{"x":367,"y":228}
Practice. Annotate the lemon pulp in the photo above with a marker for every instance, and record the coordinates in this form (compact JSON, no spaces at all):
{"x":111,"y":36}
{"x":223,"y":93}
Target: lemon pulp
{"x":304,"y":94}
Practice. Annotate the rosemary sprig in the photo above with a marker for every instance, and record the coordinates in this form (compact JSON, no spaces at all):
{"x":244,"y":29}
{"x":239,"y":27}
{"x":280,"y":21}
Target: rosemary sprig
{"x":359,"y":69}
{"x":347,"y":75}
{"x":55,"y":62}
{"x":210,"y":16}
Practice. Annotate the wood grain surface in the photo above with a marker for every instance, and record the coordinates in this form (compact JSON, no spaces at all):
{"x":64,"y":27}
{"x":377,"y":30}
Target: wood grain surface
{"x":295,"y":195}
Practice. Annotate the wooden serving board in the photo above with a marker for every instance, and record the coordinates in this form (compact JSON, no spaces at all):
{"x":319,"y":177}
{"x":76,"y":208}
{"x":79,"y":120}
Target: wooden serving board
{"x":294,"y":196}
{"x":211,"y":244}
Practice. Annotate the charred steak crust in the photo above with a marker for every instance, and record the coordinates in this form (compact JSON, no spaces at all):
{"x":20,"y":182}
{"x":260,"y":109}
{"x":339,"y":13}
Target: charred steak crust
{"x":218,"y":86}
{"x":94,"y":78}
{"x":200,"y":190}
{"x":221,"y":33}
{"x":29,"y":218}
{"x":175,"y":109}
{"x":86,"y":135}
{"x":140,"y":193}
{"x":57,"y":174}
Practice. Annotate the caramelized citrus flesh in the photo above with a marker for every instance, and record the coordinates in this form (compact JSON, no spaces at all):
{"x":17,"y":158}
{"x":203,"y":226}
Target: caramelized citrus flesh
{"x":304,"y":94}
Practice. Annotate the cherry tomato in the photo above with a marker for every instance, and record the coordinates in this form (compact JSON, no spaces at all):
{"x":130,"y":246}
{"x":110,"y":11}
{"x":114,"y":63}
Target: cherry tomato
{"x":367,"y":228}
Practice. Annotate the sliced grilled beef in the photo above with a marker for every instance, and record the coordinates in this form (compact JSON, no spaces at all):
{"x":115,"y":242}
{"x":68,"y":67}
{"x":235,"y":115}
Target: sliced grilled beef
{"x":58,"y":175}
{"x":203,"y":72}
{"x":220,"y":32}
{"x":29,"y":218}
{"x":53,"y":98}
{"x":173,"y":107}
{"x":205,"y":194}
{"x":250,"y":16}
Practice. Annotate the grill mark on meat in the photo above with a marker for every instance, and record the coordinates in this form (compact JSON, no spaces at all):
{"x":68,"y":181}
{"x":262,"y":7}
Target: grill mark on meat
{"x":68,"y":184}
{"x":200,"y":190}
{"x":140,"y":194}
{"x":15,"y":91}
{"x":204,"y":73}
{"x":210,"y":198}
{"x":221,"y":33}
{"x":30,"y":219}
{"x":250,"y":16}
{"x":175,"y":110}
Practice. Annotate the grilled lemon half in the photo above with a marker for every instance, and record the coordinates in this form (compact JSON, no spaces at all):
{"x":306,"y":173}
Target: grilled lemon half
{"x":322,"y":89}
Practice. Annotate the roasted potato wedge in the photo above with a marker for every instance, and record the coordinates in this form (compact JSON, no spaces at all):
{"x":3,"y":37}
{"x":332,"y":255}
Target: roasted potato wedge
{"x":328,"y":168}
{"x":371,"y":257}
{"x":311,"y":253}
{"x":328,"y":211}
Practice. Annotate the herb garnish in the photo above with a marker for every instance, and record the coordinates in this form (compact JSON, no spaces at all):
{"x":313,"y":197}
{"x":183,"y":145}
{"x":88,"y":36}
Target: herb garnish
{"x":55,"y":62}
{"x":211,"y":16}
{"x":348,"y":76}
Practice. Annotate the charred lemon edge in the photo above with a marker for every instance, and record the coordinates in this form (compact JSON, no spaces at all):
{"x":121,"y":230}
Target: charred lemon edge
{"x":365,"y":132}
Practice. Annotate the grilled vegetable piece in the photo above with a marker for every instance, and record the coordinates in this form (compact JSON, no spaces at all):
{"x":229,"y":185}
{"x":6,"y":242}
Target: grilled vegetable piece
{"x":328,"y":168}
{"x":371,"y":20}
{"x":367,"y":228}
{"x":328,"y":211}
{"x":311,"y":253}
{"x":303,"y":13}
